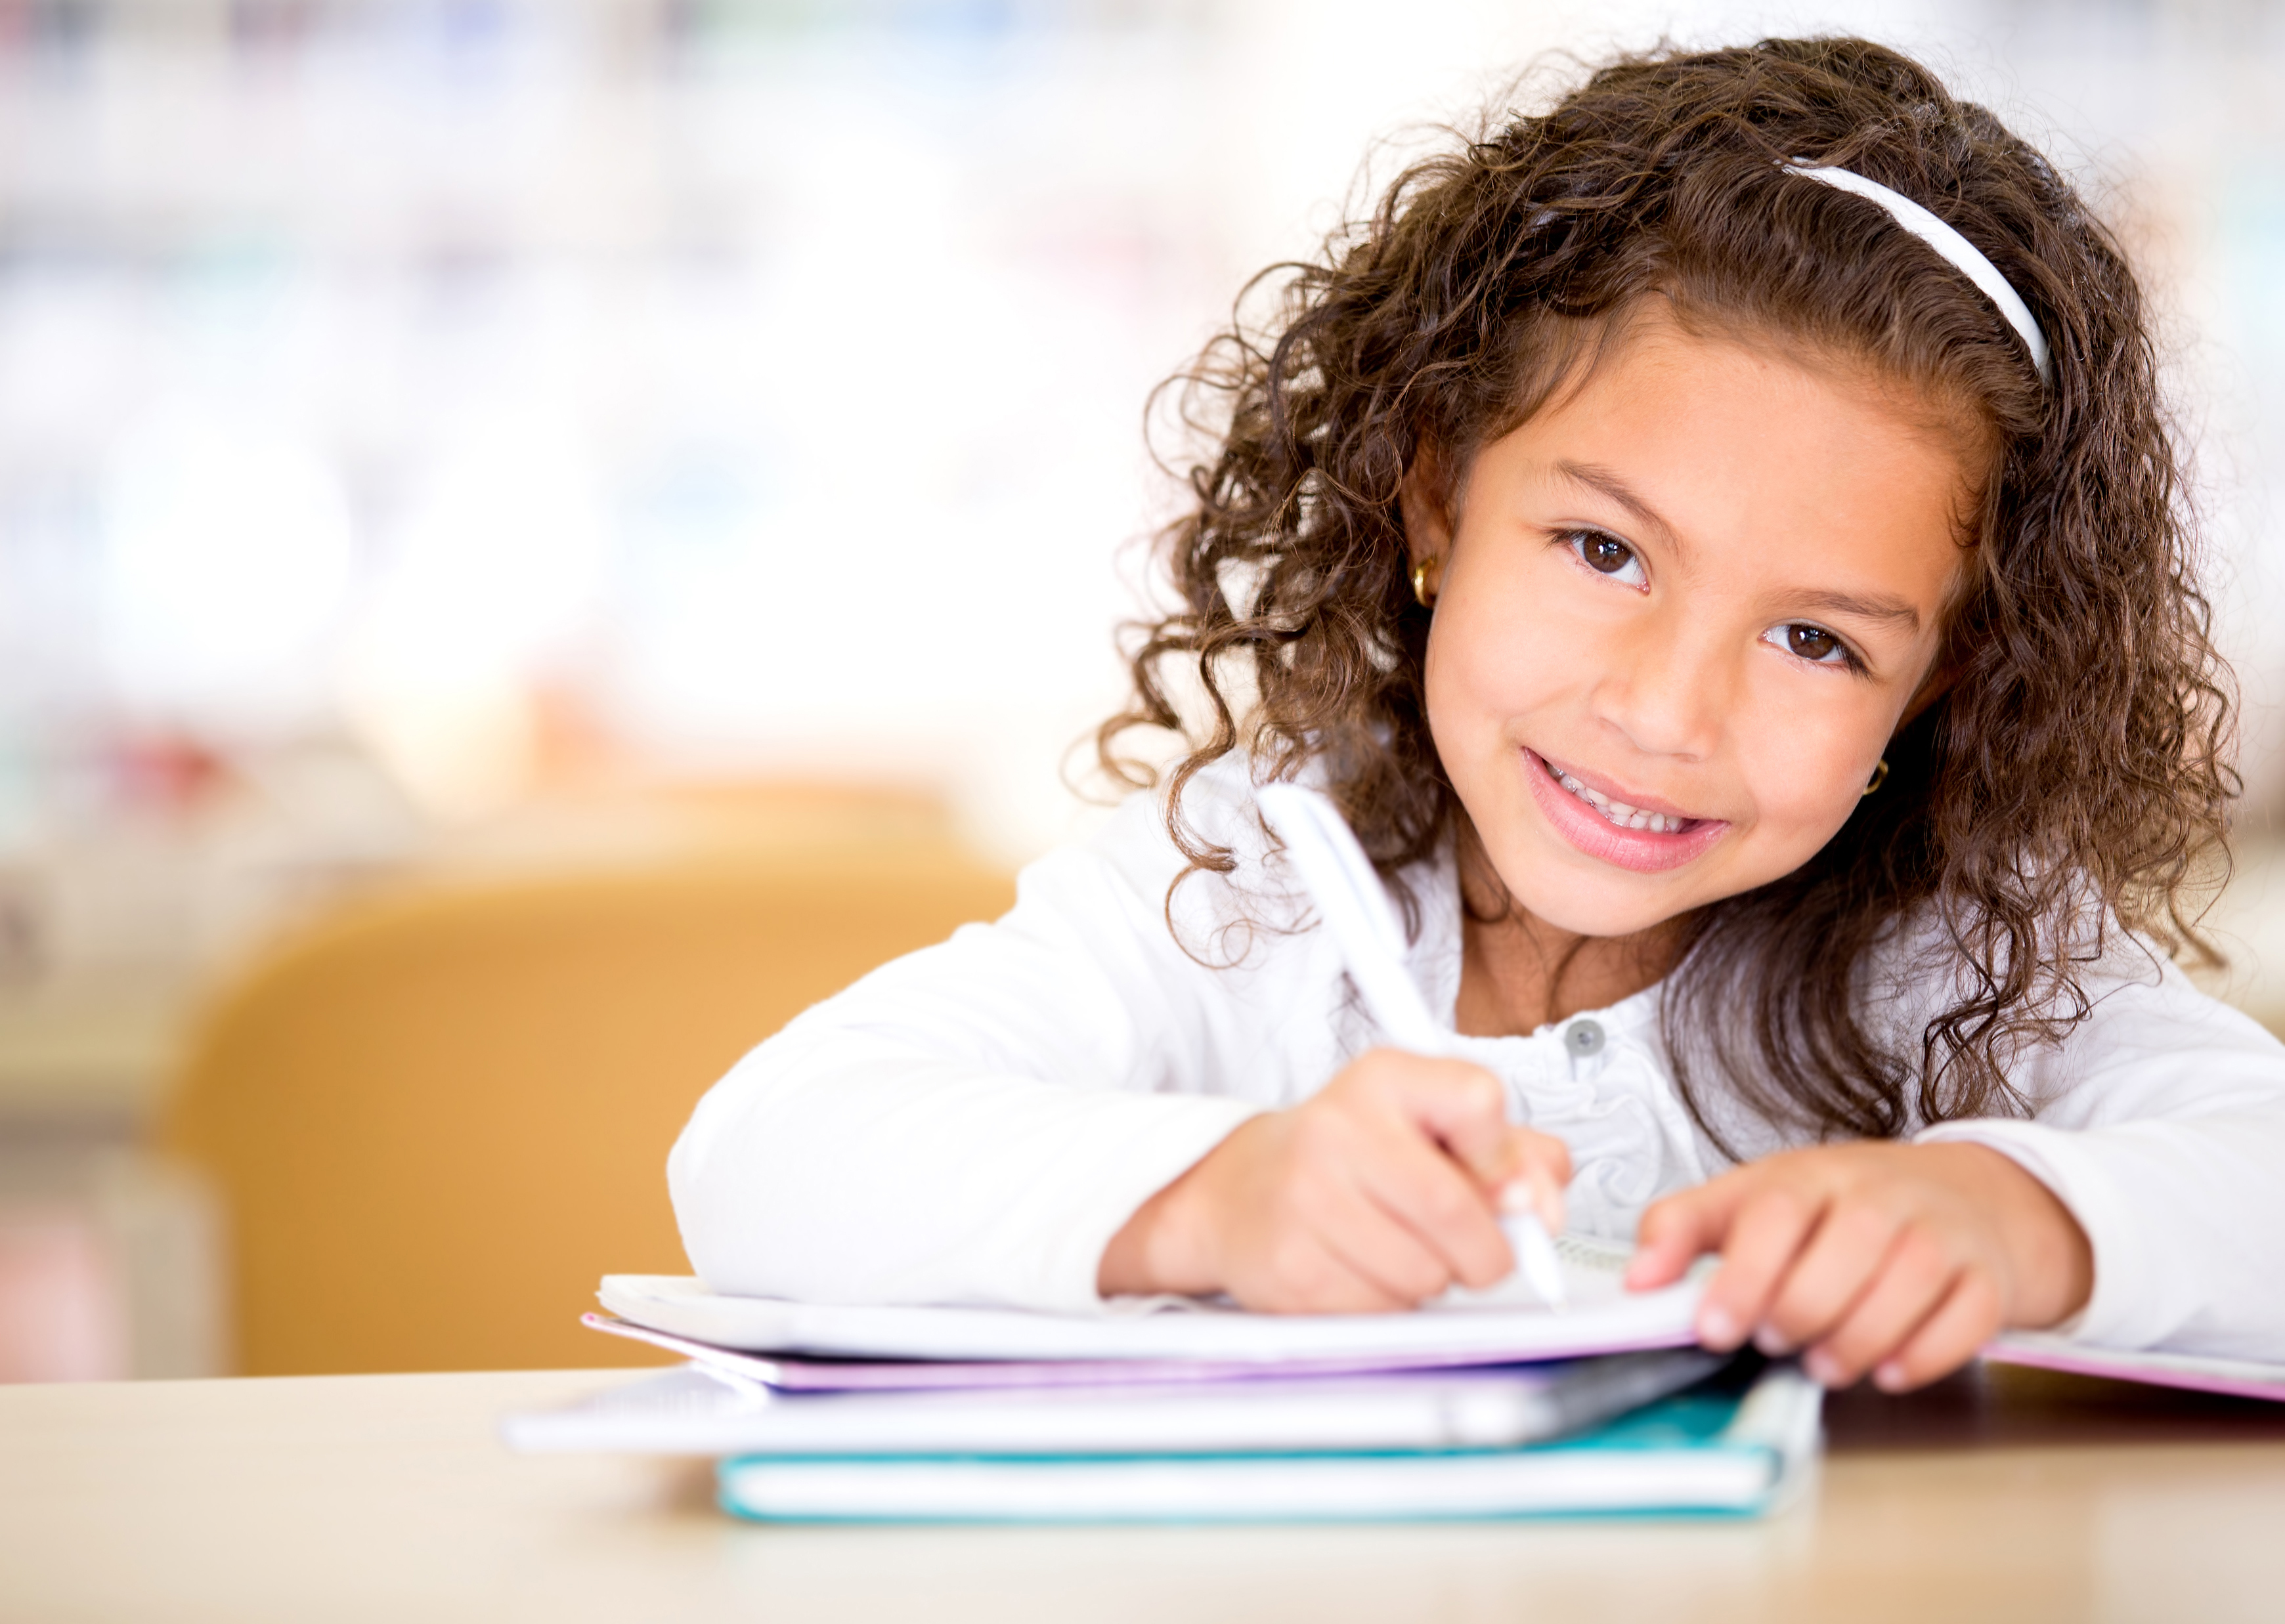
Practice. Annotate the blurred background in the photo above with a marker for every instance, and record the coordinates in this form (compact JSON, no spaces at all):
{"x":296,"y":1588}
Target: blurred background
{"x":471,"y":448}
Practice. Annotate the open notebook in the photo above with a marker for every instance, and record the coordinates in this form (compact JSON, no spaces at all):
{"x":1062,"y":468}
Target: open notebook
{"x":1502,"y":1324}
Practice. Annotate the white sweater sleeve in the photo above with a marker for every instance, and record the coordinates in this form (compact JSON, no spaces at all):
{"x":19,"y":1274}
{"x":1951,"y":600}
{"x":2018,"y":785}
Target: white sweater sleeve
{"x":2161,"y":1126}
{"x":973,"y":1123}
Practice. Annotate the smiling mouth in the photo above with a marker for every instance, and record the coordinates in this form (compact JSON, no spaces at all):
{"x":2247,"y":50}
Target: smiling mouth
{"x":1618,"y":813}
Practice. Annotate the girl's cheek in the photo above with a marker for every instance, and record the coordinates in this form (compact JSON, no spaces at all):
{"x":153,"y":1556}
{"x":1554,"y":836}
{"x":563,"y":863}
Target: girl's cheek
{"x":1505,"y":653}
{"x":1474,"y":682}
{"x":1803,"y":772}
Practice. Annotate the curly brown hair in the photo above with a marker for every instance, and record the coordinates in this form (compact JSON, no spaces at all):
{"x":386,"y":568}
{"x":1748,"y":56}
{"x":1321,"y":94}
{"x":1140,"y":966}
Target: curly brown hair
{"x":2075,"y":769}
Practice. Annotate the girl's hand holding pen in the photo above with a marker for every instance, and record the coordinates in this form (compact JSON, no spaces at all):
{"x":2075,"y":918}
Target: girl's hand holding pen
{"x":1897,"y":1259}
{"x":1374,"y":1195}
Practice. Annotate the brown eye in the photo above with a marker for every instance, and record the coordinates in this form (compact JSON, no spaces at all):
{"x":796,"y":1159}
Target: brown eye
{"x":1606,"y":554}
{"x":1811,"y":643}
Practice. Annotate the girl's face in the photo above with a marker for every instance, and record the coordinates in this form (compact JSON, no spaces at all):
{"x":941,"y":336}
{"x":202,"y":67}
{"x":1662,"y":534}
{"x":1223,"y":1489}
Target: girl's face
{"x":1681,"y":612}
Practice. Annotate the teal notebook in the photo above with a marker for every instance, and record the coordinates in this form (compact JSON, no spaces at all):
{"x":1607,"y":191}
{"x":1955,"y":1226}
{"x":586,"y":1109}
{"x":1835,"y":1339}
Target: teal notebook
{"x":1733,"y":1448}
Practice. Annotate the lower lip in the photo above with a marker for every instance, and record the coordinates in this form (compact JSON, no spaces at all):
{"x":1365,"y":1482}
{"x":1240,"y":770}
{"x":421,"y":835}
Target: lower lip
{"x":1644,"y":850}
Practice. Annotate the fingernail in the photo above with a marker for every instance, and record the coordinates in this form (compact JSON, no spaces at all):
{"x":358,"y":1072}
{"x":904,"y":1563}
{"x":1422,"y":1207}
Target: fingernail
{"x":1772,"y":1341}
{"x":1889,"y":1377}
{"x":1515,"y":1197}
{"x":1716,"y":1329}
{"x":1823,"y":1368}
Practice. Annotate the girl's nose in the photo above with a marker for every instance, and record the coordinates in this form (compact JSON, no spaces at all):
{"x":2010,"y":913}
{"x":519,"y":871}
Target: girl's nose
{"x":1668,"y":688}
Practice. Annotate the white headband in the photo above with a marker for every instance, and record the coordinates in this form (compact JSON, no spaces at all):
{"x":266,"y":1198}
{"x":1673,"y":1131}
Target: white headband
{"x":1951,"y":244}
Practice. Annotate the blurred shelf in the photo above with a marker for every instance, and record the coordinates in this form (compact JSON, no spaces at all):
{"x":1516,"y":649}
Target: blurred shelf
{"x":87,"y":1059}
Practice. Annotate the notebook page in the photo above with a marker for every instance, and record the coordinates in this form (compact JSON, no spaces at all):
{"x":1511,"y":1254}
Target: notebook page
{"x":1605,"y":1318}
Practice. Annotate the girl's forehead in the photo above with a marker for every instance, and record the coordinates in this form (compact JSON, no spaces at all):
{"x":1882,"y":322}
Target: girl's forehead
{"x":1725,"y":443}
{"x":1660,"y":352}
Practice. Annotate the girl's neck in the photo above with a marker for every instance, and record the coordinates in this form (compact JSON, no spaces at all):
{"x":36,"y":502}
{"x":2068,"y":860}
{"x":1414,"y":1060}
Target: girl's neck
{"x":1518,"y":973}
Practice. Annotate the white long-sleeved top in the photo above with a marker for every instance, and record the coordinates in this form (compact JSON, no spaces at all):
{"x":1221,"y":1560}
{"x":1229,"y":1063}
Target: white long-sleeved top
{"x":974,"y":1122}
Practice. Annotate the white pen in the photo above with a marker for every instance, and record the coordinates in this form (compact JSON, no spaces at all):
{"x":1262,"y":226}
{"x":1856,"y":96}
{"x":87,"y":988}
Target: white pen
{"x":1354,"y":906}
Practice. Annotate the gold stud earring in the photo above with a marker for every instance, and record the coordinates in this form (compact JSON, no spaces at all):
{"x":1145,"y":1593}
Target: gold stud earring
{"x":1880,"y":777}
{"x":1423,"y":575}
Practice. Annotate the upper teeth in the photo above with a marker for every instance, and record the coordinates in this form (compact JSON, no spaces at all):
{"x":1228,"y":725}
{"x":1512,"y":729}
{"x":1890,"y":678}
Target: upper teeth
{"x":1618,"y":812}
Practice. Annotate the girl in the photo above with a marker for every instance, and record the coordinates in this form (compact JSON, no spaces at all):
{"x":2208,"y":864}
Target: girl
{"x":1719,"y":545}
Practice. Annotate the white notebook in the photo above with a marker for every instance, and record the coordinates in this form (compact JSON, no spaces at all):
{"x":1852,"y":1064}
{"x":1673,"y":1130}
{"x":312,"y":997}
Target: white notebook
{"x":708,"y":1410}
{"x":1503,"y":1323}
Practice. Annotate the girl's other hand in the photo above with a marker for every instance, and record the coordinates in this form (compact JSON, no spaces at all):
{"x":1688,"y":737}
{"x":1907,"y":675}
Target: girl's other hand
{"x":1898,"y":1259}
{"x":1377,"y":1193}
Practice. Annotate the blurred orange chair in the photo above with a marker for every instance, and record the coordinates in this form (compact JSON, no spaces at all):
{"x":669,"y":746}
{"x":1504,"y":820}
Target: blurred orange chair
{"x":435,"y":1118}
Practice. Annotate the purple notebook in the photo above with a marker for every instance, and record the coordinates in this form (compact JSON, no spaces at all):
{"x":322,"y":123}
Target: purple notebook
{"x":797,"y":1373}
{"x":2238,"y":1378}
{"x":794,"y":1373}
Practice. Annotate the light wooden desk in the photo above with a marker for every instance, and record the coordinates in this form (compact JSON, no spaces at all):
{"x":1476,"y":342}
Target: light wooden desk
{"x":2014,"y":1495}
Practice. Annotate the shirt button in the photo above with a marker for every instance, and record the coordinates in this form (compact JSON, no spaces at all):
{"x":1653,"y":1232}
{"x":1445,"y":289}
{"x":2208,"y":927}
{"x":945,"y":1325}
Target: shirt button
{"x":1584,"y":1038}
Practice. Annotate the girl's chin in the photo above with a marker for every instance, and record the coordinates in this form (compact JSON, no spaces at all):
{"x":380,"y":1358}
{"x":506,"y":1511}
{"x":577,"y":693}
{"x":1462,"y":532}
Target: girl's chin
{"x":1578,"y":904}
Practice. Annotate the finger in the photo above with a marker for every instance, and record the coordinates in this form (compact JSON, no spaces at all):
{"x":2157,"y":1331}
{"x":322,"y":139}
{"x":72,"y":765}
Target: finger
{"x":1835,"y":1268}
{"x":1915,"y":1278}
{"x":1765,"y":1237}
{"x":1302,"y":1275}
{"x":1463,"y":1108}
{"x":1682,"y":1228}
{"x":1968,"y":1318}
{"x":1543,"y":1167}
{"x":1382,"y":1248}
{"x":1672,"y":1236}
{"x":1426,"y":1193}
{"x":1535,"y":1192}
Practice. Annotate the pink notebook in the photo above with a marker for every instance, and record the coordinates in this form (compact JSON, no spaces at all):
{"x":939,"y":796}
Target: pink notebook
{"x":2237,"y":1378}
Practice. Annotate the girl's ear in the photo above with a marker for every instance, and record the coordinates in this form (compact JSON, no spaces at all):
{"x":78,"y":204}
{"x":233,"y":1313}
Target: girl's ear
{"x":1424,"y":499}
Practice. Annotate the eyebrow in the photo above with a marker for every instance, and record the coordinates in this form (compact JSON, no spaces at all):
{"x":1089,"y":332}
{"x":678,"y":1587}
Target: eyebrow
{"x":1605,"y":483}
{"x":1895,"y":611}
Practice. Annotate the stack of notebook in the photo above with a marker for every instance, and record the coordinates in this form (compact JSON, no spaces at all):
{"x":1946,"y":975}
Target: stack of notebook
{"x":1486,"y":1405}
